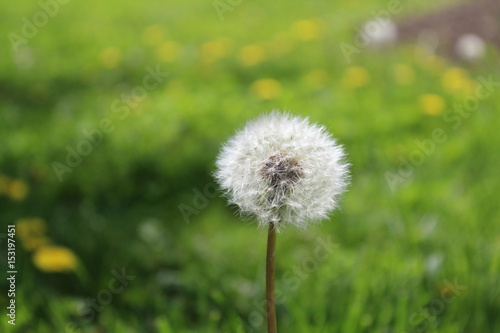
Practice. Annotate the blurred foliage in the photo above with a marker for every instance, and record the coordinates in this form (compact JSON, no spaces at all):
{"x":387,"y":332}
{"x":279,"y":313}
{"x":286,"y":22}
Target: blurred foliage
{"x":402,"y":246}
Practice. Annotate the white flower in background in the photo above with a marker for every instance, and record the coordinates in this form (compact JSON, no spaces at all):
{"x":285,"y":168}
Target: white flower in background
{"x":470,"y":47}
{"x":283,"y":170}
{"x":379,"y":33}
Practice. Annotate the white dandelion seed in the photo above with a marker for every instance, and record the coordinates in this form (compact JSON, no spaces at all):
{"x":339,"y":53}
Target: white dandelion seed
{"x":283,"y":170}
{"x":470,"y":47}
{"x":379,"y":33}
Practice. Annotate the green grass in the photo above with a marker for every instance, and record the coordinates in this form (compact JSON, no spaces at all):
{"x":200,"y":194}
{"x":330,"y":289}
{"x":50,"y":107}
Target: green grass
{"x":397,"y":248}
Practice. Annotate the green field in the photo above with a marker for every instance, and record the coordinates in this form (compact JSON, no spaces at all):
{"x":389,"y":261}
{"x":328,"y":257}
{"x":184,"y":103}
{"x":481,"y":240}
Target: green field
{"x":111,"y":118}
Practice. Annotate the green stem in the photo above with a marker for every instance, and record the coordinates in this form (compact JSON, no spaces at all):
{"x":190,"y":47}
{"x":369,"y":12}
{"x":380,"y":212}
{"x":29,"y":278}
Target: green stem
{"x":270,"y":300}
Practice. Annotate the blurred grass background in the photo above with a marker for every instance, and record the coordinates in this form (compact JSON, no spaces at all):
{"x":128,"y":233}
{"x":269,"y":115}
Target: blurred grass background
{"x":419,"y":256}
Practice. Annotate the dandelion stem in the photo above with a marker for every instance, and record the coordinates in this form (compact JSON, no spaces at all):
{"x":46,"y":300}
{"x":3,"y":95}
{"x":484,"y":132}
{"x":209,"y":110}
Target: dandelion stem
{"x":270,"y":301}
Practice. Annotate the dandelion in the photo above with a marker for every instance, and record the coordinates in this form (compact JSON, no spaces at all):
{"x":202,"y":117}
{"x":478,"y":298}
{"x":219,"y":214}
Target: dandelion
{"x":214,"y":50}
{"x":251,"y":55}
{"x":379,"y":33}
{"x":111,"y":57}
{"x":168,"y":51}
{"x":432,"y":104}
{"x":470,"y":47}
{"x":266,"y":88}
{"x":356,"y":77}
{"x":284,"y":171}
{"x":17,"y":190}
{"x":457,"y":80}
{"x":306,"y":30}
{"x":55,"y":259}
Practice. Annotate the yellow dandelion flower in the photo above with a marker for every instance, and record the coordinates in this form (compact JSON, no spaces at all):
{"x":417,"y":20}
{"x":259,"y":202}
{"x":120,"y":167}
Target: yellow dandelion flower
{"x":316,"y":78}
{"x":432,"y":104}
{"x":214,"y":50}
{"x":266,"y":89}
{"x":356,"y":77}
{"x":456,"y":80}
{"x":306,"y":30}
{"x":17,"y":189}
{"x":281,"y":43}
{"x":153,"y":35}
{"x":403,"y":74}
{"x":30,"y":227}
{"x":168,"y":51}
{"x":251,"y":55}
{"x":111,"y":57}
{"x":55,"y":259}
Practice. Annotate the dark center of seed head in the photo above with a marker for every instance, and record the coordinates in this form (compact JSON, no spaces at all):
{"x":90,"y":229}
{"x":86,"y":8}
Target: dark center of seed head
{"x":281,"y":172}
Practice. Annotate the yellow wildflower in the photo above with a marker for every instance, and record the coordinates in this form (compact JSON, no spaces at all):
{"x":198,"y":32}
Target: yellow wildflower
{"x":213,"y":50}
{"x":456,"y":80}
{"x":17,"y":189}
{"x":266,"y":88}
{"x":55,"y":259}
{"x":432,"y":104}
{"x":356,"y":77}
{"x":111,"y":57}
{"x":251,"y":55}
{"x":168,"y":51}
{"x":306,"y":30}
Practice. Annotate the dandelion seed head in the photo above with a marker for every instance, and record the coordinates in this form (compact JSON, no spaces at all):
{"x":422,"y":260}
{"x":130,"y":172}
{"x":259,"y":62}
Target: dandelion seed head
{"x":379,"y":33}
{"x":470,"y":47}
{"x":283,"y":170}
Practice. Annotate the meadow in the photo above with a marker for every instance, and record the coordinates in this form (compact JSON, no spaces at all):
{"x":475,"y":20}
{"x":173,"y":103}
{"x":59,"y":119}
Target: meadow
{"x":113,"y":113}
